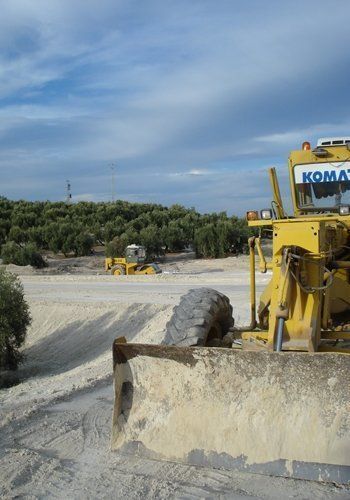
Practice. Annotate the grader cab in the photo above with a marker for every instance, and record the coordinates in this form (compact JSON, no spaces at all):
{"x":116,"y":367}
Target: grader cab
{"x":271,"y":397}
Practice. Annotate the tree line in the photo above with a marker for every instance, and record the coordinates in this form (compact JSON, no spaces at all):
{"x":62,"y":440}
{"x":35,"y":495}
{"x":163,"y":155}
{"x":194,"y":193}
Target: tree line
{"x":29,"y":228}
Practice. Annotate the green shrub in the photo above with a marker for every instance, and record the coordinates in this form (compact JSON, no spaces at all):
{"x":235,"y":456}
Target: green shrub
{"x":222,"y":238}
{"x":12,"y":253}
{"x":209,"y":242}
{"x":116,"y":247}
{"x":150,"y":239}
{"x":83,"y":244}
{"x":32,"y":257}
{"x":14,"y":320}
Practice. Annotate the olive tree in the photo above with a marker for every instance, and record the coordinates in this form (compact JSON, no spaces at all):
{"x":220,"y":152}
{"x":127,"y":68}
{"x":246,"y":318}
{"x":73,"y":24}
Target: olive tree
{"x":12,"y":253}
{"x":14,"y":320}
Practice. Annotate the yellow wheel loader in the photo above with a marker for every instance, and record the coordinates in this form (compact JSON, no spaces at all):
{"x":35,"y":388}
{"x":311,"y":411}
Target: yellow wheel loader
{"x":134,"y":262}
{"x":272,"y":397}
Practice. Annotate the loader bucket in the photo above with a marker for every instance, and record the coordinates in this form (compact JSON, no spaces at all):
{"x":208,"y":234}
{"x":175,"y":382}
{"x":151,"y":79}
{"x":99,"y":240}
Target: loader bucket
{"x":284,"y":414}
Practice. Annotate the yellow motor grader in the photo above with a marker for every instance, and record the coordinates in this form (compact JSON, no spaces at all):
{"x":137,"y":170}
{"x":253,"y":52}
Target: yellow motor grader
{"x":272,"y":397}
{"x":134,"y":262}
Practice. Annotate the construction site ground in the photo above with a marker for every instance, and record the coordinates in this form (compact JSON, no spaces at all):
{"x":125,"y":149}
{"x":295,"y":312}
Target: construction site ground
{"x":55,"y":422}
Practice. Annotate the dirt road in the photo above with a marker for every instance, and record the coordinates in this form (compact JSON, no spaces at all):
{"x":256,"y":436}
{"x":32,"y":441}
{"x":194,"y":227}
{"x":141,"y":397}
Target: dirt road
{"x":55,"y":424}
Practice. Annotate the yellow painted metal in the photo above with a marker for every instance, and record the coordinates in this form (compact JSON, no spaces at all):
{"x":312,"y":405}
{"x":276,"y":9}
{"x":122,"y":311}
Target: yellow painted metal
{"x":302,"y":329}
{"x":320,"y":240}
{"x":264,"y":304}
{"x":335,"y":219}
{"x":108,"y":263}
{"x":263,"y":265}
{"x":260,"y":223}
{"x":276,"y":194}
{"x":251,"y":242}
{"x":129,"y":268}
{"x":146,"y":270}
{"x":335,"y":335}
{"x":329,"y":348}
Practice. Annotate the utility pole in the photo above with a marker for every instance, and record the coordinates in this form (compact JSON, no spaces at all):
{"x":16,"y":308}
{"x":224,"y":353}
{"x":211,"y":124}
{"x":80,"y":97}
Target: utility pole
{"x":112,"y":167}
{"x":68,"y":192}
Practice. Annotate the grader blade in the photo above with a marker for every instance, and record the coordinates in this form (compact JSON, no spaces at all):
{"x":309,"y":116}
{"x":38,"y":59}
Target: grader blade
{"x":283,"y":414}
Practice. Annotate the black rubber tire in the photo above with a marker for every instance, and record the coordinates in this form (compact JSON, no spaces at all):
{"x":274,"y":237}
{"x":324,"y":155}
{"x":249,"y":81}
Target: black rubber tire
{"x":202,"y":317}
{"x":118,"y":267}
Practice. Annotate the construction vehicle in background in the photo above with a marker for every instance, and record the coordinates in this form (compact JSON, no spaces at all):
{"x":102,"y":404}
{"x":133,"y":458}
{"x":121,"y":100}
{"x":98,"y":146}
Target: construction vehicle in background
{"x":272,"y":397}
{"x":134,"y":262}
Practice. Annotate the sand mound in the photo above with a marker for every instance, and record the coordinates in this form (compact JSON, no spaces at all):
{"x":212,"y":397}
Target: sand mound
{"x":69,"y":348}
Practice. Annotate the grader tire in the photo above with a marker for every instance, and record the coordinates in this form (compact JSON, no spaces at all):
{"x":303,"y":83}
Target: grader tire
{"x":117,"y":270}
{"x":202,"y":318}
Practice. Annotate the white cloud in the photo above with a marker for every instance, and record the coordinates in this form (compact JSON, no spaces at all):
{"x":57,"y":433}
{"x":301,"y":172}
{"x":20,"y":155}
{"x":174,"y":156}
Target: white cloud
{"x":296,"y":137}
{"x":167,"y":86}
{"x":196,"y":172}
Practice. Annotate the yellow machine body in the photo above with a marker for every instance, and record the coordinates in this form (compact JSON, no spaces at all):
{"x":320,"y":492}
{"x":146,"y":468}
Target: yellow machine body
{"x":278,"y":401}
{"x":129,"y":268}
{"x":134,"y":262}
{"x":310,"y":287}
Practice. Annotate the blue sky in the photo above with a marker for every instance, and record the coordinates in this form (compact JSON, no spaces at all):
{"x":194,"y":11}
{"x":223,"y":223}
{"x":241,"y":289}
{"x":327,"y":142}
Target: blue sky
{"x":193,"y":100}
